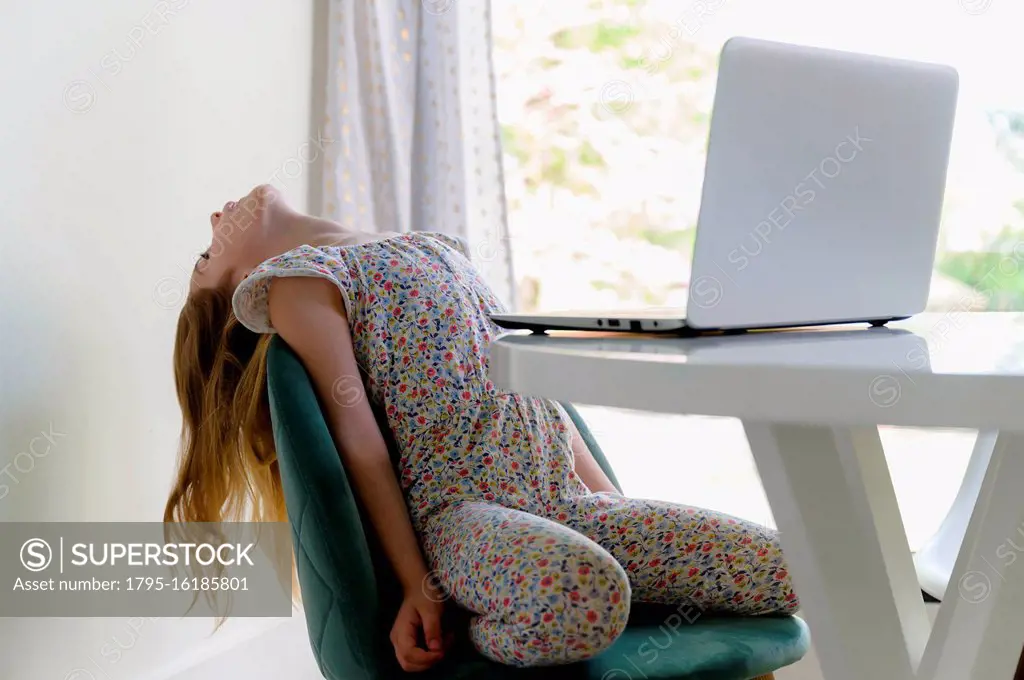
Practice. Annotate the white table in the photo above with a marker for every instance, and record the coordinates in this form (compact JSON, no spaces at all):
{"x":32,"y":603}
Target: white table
{"x":810,"y":402}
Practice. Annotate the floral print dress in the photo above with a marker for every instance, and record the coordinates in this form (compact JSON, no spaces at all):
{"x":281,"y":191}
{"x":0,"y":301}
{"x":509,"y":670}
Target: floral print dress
{"x":510,"y":531}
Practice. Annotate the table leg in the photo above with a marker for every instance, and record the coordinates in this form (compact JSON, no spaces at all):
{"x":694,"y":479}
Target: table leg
{"x":936,"y":558}
{"x":843,"y":537}
{"x":980,"y":625}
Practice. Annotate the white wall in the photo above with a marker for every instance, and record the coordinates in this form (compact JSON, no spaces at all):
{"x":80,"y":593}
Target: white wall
{"x":113,"y":156}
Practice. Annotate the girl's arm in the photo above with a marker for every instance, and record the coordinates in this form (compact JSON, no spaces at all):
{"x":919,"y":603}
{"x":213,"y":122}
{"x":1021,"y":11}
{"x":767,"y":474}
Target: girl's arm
{"x":587,"y":466}
{"x":308,"y":314}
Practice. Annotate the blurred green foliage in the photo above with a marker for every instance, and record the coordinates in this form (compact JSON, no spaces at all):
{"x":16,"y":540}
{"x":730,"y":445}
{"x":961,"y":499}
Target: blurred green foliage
{"x":595,"y":37}
{"x":679,"y":239}
{"x":670,"y":115}
{"x":996,"y":273}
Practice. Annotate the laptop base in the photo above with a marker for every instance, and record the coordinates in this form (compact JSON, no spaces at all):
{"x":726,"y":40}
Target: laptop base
{"x":633,"y":326}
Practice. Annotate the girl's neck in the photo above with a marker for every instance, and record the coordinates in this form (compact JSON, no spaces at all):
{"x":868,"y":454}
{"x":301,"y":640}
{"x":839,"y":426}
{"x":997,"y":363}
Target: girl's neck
{"x":287,"y":229}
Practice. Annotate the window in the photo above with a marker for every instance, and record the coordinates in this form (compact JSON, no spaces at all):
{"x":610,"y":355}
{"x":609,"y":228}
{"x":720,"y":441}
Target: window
{"x":605,"y":106}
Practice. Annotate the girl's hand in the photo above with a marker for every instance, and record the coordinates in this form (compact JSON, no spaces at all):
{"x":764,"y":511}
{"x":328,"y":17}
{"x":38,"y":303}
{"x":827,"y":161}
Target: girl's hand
{"x":417,"y":636}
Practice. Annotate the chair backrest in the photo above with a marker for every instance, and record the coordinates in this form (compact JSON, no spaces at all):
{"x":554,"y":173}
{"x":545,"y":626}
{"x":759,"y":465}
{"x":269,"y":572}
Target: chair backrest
{"x":349,"y":591}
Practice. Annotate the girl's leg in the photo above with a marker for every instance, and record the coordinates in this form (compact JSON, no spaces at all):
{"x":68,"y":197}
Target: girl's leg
{"x":679,"y":554}
{"x":544,"y":593}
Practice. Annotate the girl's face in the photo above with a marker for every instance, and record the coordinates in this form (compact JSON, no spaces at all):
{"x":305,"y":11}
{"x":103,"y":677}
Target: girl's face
{"x":236,"y":228}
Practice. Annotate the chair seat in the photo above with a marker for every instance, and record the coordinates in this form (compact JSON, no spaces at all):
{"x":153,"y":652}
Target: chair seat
{"x":711,"y":648}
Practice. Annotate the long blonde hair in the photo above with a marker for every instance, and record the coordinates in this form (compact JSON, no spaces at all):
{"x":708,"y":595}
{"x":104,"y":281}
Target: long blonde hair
{"x":227,"y":469}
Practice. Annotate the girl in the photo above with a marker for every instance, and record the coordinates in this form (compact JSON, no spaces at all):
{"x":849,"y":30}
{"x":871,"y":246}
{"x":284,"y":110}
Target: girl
{"x":496,"y":497}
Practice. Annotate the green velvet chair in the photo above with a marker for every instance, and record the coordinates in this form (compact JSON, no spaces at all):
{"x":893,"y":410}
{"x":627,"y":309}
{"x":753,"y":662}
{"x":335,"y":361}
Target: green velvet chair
{"x":350,"y":595}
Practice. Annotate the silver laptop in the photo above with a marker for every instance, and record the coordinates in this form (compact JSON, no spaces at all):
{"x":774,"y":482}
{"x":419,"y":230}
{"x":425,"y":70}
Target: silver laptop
{"x":822,"y":195}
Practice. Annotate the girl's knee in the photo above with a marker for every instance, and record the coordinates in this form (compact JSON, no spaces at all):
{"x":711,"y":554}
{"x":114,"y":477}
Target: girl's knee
{"x":786,"y":598}
{"x":773,"y":591}
{"x":773,"y":597}
{"x":573,"y":604}
{"x":590,"y":605}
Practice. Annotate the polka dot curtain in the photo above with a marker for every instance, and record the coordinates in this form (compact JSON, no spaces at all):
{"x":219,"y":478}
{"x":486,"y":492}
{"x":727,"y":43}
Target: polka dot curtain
{"x":411,"y":119}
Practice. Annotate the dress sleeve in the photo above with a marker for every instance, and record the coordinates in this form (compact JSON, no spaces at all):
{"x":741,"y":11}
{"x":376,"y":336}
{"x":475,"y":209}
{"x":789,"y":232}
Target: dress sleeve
{"x":250,"y":298}
{"x":454,"y":242}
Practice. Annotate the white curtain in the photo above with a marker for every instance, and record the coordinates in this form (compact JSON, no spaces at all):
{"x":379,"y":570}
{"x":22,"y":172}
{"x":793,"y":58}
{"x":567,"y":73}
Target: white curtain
{"x":412,"y":118}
